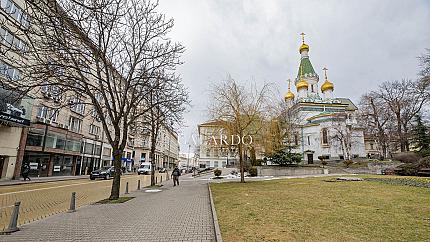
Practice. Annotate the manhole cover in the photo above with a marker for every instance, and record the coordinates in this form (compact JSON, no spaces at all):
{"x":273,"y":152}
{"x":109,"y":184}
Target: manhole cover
{"x":153,"y":190}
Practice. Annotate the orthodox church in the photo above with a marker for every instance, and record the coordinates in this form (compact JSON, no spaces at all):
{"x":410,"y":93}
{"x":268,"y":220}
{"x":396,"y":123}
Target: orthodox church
{"x":324,"y":126}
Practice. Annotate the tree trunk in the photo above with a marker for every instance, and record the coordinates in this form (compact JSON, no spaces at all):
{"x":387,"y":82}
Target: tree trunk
{"x":152,"y":165}
{"x":241,"y":163}
{"x":400,"y":133}
{"x":114,"y":194}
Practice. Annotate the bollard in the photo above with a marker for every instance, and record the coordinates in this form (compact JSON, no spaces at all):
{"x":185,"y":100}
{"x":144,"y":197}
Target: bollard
{"x":14,"y":219}
{"x":126,"y":188}
{"x":138,"y":184}
{"x":72,"y":203}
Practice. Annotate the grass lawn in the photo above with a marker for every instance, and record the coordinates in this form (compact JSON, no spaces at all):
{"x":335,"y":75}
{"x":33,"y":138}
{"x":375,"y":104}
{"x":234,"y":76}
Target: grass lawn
{"x":311,"y":209}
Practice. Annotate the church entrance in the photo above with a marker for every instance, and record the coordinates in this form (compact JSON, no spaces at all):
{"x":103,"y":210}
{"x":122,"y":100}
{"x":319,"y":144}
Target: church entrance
{"x":310,"y":158}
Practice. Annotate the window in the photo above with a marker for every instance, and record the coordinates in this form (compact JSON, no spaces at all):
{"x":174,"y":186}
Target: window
{"x":9,"y":71}
{"x":312,"y":88}
{"x":371,"y":146}
{"x":107,"y":152}
{"x":17,"y":13}
{"x":296,"y":139}
{"x":324,"y":136}
{"x":75,"y":124}
{"x":94,"y":129}
{"x":10,"y":40}
{"x":47,"y":113}
{"x":208,"y":152}
{"x":77,"y":105}
{"x":309,"y":140}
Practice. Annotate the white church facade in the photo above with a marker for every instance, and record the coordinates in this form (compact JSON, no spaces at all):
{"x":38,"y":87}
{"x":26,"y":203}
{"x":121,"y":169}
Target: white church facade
{"x":324,"y":126}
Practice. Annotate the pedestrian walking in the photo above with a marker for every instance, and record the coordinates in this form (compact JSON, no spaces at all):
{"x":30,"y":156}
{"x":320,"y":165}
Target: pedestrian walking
{"x":175,"y":174}
{"x":26,"y":171}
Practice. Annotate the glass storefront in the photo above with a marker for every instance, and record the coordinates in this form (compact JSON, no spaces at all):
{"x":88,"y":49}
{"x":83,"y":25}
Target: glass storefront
{"x":39,"y":164}
{"x":63,"y":165}
{"x":53,"y":140}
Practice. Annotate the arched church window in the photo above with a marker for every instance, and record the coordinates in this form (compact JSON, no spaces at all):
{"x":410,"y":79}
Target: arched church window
{"x":296,"y":139}
{"x":324,"y":136}
{"x":312,"y":88}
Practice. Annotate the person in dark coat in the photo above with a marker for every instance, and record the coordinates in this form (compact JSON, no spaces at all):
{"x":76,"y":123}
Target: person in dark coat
{"x":26,"y":171}
{"x":175,"y":174}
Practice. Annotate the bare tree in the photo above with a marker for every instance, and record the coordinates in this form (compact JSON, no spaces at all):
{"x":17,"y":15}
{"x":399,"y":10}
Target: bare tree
{"x":342,"y":134}
{"x":404,"y":99}
{"x":425,"y":64}
{"x":168,"y":104}
{"x":101,"y":54}
{"x":242,"y":110}
{"x":375,"y":118}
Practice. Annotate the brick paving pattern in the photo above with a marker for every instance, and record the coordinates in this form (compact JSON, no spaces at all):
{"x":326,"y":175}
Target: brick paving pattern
{"x":180,"y":213}
{"x":40,"y":200}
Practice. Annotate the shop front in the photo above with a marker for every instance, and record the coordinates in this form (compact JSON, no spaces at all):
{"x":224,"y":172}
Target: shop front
{"x":51,"y":151}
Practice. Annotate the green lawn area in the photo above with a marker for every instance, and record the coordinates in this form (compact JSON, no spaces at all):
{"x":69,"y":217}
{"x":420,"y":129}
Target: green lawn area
{"x":311,"y":209}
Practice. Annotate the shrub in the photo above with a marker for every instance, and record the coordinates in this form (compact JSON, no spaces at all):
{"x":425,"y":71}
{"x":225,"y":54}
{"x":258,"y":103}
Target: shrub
{"x":252,"y":171}
{"x":407,"y":157}
{"x":284,"y":158}
{"x":409,"y":169}
{"x":347,"y":163}
{"x":217,"y":172}
{"x":412,"y":169}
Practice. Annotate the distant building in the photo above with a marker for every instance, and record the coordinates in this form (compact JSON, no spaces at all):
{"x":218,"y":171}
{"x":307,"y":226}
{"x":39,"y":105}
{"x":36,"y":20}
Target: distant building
{"x":214,"y":154}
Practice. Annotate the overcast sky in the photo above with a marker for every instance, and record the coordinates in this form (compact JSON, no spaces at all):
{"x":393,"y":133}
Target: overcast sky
{"x":362,"y":43}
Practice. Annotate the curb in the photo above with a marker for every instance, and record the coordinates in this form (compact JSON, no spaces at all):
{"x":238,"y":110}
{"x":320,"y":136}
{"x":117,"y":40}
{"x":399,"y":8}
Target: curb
{"x":72,"y":178}
{"x":217,"y":231}
{"x":43,"y":181}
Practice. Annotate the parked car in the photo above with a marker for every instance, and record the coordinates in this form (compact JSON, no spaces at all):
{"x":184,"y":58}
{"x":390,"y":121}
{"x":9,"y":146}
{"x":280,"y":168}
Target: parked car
{"x":162,"y":170}
{"x":145,"y":168}
{"x":105,"y":173}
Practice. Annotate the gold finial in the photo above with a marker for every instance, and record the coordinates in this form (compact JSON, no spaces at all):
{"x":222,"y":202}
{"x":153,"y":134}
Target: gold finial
{"x":289,"y":84}
{"x":303,"y":37}
{"x":327,"y":85}
{"x":325,"y":72}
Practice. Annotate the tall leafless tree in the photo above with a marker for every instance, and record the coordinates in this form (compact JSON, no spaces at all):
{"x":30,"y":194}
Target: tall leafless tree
{"x":104,"y":51}
{"x":241,"y":109}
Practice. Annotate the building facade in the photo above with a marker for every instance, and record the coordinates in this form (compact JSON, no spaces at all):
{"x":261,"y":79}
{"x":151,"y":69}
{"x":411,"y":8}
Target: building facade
{"x":211,"y":151}
{"x":325,"y":126}
{"x":55,"y":139}
{"x":166,"y":150}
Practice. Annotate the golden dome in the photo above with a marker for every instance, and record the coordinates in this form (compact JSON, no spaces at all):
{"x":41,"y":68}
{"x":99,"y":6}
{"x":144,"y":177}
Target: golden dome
{"x":289,"y":95}
{"x":302,"y":84}
{"x":303,"y":47}
{"x":327,"y":85}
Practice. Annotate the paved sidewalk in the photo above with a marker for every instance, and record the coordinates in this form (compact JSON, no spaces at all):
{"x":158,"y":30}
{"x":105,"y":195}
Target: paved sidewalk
{"x":180,"y":213}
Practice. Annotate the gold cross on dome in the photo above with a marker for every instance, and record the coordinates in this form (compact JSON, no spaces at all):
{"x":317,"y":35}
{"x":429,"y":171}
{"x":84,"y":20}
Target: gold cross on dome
{"x":303,"y":37}
{"x":325,"y":72}
{"x":289,"y":84}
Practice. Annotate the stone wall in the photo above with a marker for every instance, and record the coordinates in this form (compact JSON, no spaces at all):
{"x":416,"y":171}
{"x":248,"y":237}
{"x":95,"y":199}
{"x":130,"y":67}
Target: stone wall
{"x":288,"y":171}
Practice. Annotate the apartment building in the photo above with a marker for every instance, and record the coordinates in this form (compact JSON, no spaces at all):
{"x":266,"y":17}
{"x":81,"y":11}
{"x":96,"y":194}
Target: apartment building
{"x":55,"y":139}
{"x":166,"y":151}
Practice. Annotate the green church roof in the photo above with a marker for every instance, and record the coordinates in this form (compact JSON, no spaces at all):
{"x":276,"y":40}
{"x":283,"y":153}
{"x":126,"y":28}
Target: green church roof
{"x":308,"y":69}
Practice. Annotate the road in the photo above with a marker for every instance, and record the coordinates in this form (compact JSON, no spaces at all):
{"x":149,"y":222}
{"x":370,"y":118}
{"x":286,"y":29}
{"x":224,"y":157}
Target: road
{"x":40,"y":200}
